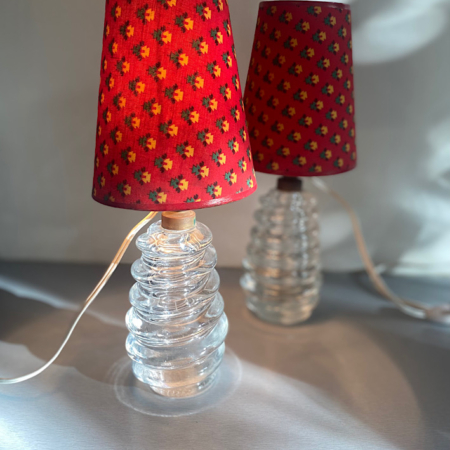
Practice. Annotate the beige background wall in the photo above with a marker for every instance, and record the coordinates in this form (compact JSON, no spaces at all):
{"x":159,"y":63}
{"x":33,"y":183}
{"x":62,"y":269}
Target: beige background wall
{"x":49,"y":72}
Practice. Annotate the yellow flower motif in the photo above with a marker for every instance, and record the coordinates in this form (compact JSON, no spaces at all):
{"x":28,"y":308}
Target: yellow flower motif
{"x":102,"y":182}
{"x":286,"y":85}
{"x":131,"y":157}
{"x":194,"y":117}
{"x":344,"y":32}
{"x":323,"y":130}
{"x":298,"y":69}
{"x":220,"y":5}
{"x":122,"y":102}
{"x":344,"y":124}
{"x":146,"y":177}
{"x":314,"y":146}
{"x":302,"y":161}
{"x":260,"y":156}
{"x":219,"y":37}
{"x":340,"y":162}
{"x":118,"y":12}
{"x":350,"y":109}
{"x":341,"y":99}
{"x":167,"y":164}
{"x":204,"y":171}
{"x":102,"y":98}
{"x":330,"y":89}
{"x":156,"y":109}
{"x":328,"y":154}
{"x":273,"y":9}
{"x":275,"y":165}
{"x":108,"y":116}
{"x":285,"y":151}
{"x":244,"y":136}
{"x":258,"y":46}
{"x":97,"y":162}
{"x":228,"y":93}
{"x":107,"y":31}
{"x":199,"y":82}
{"x":135,"y":122}
{"x":322,"y":36}
{"x":115,"y":47}
{"x":267,"y":52}
{"x":218,"y":191}
{"x":112,"y":199}
{"x":270,"y":142}
{"x":111,"y":82}
{"x":178,"y":95}
{"x":204,"y":48}
{"x":183,"y":59}
{"x":280,"y":127}
{"x":318,"y":169}
{"x":105,"y":64}
{"x":277,"y":34}
{"x":171,"y":3}
{"x":310,"y":52}
{"x":213,"y":104}
{"x":145,"y":51}
{"x":291,"y":111}
{"x":183,"y":185}
{"x":346,"y":147}
{"x":150,"y":143}
{"x":99,"y":130}
{"x":282,"y":59}
{"x":317,"y":9}
{"x":161,"y":197}
{"x":115,"y":169}
{"x":222,"y":159}
{"x":189,"y":151}
{"x":250,"y":183}
{"x":161,"y":73}
{"x":346,"y":59}
{"x":233,"y":178}
{"x":129,"y":31}
{"x":149,"y":15}
{"x":209,"y":138}
{"x":336,"y":47}
{"x":244,"y":166}
{"x":207,"y":13}
{"x":265,"y":26}
{"x":166,"y":37}
{"x":303,"y":95}
{"x":305,"y":26}
{"x":333,"y":21}
{"x":173,"y":130}
{"x":188,"y":23}
{"x":288,"y":17}
{"x":118,"y":136}
{"x":297,"y":136}
{"x":140,"y":87}
{"x":337,"y":138}
{"x":229,"y":61}
{"x":235,"y":146}
{"x":265,"y":118}
{"x":352,"y":132}
{"x":315,"y":79}
{"x":294,"y":42}
{"x":217,"y":70}
{"x":125,"y":67}
{"x":127,"y":189}
{"x":319,"y":105}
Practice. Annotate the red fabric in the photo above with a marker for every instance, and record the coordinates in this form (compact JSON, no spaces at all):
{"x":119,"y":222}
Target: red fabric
{"x":299,"y":93}
{"x":171,"y":132}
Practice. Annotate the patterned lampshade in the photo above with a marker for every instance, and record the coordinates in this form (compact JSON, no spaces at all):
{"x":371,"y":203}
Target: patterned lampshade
{"x":299,"y":92}
{"x":171,"y":131}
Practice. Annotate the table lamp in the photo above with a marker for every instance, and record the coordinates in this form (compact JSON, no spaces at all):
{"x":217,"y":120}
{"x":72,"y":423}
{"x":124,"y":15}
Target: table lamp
{"x":300,"y":112}
{"x":172,"y":137}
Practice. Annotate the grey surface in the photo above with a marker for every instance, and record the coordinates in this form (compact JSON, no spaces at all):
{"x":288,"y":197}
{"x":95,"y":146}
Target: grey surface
{"x":359,"y":375}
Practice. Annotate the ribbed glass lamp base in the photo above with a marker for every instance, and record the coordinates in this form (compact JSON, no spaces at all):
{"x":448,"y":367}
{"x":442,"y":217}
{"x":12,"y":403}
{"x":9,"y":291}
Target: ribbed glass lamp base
{"x":177,"y":324}
{"x":282,"y":277}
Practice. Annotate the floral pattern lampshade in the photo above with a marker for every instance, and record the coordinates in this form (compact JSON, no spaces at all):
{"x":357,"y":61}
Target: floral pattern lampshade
{"x":299,"y":92}
{"x":171,"y":131}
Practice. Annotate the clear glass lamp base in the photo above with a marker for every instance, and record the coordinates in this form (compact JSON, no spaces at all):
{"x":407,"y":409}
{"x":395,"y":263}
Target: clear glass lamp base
{"x":282,"y":277}
{"x":177,"y":324}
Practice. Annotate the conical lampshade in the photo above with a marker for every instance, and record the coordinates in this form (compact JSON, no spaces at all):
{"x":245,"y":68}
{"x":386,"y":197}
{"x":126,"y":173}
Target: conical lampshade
{"x":171,"y":132}
{"x":299,"y":92}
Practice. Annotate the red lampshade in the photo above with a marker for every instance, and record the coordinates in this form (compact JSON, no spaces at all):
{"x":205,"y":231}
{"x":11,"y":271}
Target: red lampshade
{"x":171,"y":132}
{"x":299,"y":93}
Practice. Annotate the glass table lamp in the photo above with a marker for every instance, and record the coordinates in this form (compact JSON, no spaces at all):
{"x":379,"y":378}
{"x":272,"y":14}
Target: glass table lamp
{"x":300,"y":111}
{"x":172,"y":137}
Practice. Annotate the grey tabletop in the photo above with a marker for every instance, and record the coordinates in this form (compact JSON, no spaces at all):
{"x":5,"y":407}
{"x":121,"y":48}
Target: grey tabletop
{"x":358,"y":375}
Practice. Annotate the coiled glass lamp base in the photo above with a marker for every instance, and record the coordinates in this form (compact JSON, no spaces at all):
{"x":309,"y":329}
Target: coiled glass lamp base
{"x":282,"y":277}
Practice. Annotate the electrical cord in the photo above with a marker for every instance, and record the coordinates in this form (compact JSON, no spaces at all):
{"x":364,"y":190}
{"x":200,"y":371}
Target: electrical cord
{"x":101,"y":284}
{"x":439,"y":314}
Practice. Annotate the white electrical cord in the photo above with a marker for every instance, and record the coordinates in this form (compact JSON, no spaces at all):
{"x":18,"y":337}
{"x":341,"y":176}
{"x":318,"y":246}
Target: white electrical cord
{"x":440,"y":314}
{"x":101,"y":284}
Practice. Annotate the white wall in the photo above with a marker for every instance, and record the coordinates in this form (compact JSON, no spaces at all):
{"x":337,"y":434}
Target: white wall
{"x":49,"y":72}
